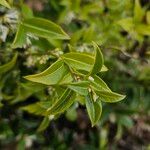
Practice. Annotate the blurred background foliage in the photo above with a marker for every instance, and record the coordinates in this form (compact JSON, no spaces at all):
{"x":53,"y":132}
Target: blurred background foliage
{"x":122,"y":29}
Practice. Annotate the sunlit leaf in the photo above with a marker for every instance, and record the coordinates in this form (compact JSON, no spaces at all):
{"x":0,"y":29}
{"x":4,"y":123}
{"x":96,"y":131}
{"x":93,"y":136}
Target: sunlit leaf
{"x":50,"y":76}
{"x":5,"y":3}
{"x":80,"y":61}
{"x":138,"y":11}
{"x":109,"y":96}
{"x":47,"y":29}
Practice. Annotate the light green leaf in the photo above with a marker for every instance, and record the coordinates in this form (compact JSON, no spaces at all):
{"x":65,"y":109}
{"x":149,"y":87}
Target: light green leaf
{"x":5,"y":3}
{"x":109,"y":96}
{"x":98,"y":61}
{"x":44,"y":124}
{"x":44,"y":28}
{"x":138,"y":12}
{"x":38,"y":108}
{"x":20,"y":38}
{"x":80,"y":87}
{"x":63,"y":103}
{"x":148,"y":17}
{"x":127,"y":24}
{"x":143,"y":29}
{"x":80,"y":61}
{"x":6,"y":67}
{"x":98,"y":84}
{"x":50,"y":76}
{"x":94,"y":109}
{"x":26,"y":12}
{"x":39,"y":27}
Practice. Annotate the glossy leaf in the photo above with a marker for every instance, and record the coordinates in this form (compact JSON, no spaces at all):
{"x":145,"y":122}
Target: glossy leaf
{"x":63,"y":103}
{"x":6,"y":67}
{"x":80,"y":61}
{"x":109,"y":96}
{"x":5,"y":3}
{"x":94,"y":109}
{"x":47,"y":29}
{"x":50,"y":76}
{"x":98,"y":61}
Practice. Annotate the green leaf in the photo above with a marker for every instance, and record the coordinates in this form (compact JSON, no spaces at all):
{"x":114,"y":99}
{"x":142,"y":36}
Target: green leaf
{"x":38,"y":108}
{"x":39,"y":27}
{"x":143,"y":29}
{"x":20,"y":38}
{"x":126,"y":121}
{"x":148,"y":17}
{"x":50,"y":76}
{"x":8,"y":66}
{"x":94,"y":109}
{"x":5,"y":3}
{"x":63,"y":103}
{"x":109,"y":96}
{"x":138,"y":12}
{"x":98,"y":61}
{"x":26,"y":12}
{"x":98,"y":84}
{"x":47,"y":29}
{"x":80,"y":61}
{"x":127,"y":24}
{"x":80,"y":87}
{"x":44,"y":124}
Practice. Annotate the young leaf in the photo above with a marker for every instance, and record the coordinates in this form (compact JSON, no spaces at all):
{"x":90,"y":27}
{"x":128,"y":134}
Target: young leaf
{"x":20,"y":38}
{"x":5,"y":3}
{"x":6,"y":67}
{"x":94,"y":109}
{"x":80,"y":61}
{"x":80,"y":87}
{"x":63,"y":103}
{"x":50,"y":76}
{"x":98,"y":61}
{"x":44,"y":28}
{"x":109,"y":96}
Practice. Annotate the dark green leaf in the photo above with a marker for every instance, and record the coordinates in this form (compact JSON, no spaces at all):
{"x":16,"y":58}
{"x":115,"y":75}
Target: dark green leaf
{"x":44,"y":124}
{"x":6,"y":67}
{"x":94,"y":109}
